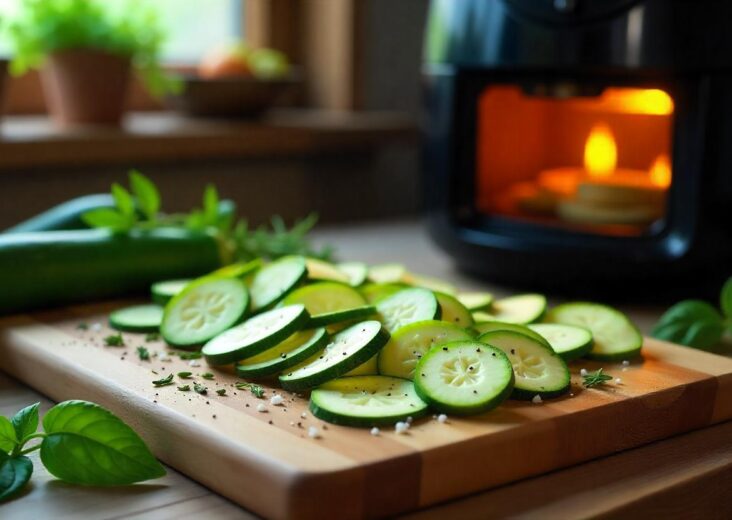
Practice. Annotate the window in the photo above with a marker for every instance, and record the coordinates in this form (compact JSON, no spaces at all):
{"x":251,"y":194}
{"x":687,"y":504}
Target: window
{"x":193,"y":26}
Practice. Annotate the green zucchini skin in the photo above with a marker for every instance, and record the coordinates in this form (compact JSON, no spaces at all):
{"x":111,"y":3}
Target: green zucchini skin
{"x":66,"y":215}
{"x":51,"y":268}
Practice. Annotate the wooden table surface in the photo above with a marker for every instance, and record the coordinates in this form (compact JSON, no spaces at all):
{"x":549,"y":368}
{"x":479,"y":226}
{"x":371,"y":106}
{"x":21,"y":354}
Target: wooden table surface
{"x":689,"y":476}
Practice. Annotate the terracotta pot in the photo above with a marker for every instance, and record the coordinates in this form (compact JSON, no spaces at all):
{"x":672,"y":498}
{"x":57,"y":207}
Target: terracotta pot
{"x":3,"y":82}
{"x":86,"y":87}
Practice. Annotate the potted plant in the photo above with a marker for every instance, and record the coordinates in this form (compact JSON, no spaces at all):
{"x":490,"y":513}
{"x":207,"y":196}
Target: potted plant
{"x":85,"y":51}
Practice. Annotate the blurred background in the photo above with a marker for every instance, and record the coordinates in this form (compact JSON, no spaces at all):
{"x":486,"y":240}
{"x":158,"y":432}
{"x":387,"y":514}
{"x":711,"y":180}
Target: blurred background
{"x":333,"y":129}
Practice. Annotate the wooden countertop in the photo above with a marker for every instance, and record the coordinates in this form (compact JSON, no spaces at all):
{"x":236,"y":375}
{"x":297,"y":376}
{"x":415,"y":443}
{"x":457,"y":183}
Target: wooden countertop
{"x":688,"y":476}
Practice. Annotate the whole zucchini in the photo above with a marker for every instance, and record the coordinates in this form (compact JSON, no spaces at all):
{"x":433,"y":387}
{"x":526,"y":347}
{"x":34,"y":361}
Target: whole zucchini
{"x":59,"y":267}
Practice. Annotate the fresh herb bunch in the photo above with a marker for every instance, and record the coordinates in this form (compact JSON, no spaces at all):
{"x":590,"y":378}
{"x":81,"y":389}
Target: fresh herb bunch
{"x":131,"y":30}
{"x":696,"y":323}
{"x":82,"y":443}
{"x":140,"y":208}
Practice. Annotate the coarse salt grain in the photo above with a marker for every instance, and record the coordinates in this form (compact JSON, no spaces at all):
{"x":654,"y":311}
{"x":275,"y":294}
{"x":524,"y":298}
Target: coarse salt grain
{"x":583,"y":372}
{"x":96,"y":327}
{"x":194,"y":363}
{"x":536,"y":399}
{"x":409,"y":420}
{"x":313,"y":432}
{"x":276,"y":400}
{"x":261,"y":408}
{"x":303,"y":415}
{"x":626,"y":363}
{"x":442,"y":418}
{"x":618,"y":380}
{"x":375,"y":431}
{"x":624,"y":369}
{"x":163,"y":356}
{"x":401,"y":427}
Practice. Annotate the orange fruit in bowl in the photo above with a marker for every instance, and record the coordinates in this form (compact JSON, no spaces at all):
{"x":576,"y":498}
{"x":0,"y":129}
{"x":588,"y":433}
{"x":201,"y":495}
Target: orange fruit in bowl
{"x":231,"y":61}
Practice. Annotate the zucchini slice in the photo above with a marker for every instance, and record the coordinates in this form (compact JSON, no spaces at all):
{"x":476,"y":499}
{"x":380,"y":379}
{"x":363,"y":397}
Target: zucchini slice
{"x":162,"y":292}
{"x":408,"y":306}
{"x":429,"y":282}
{"x":354,"y":313}
{"x":615,"y":336}
{"x":407,"y":345}
{"x":521,"y":309}
{"x":205,"y":308}
{"x":326,"y":297}
{"x":537,"y":368}
{"x":387,"y":273}
{"x":256,"y":335}
{"x":452,"y":311}
{"x":239,"y":269}
{"x":366,"y":401}
{"x":370,"y":368}
{"x":274,"y":281}
{"x":357,"y":272}
{"x":138,"y":318}
{"x":464,"y":377}
{"x":568,"y":341}
{"x":346,"y":350}
{"x":375,"y":292}
{"x":482,"y":328}
{"x":288,"y":353}
{"x":475,"y":301}
{"x":322,"y":270}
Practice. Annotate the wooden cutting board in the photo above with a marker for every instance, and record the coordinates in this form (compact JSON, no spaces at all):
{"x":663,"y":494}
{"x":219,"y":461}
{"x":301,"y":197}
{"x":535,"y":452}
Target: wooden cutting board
{"x":268,"y":463}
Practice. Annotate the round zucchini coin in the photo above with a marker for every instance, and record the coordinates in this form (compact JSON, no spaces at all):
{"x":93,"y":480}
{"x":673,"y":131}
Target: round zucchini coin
{"x":464,"y":377}
{"x":205,"y":308}
{"x":274,"y":281}
{"x":355,"y":313}
{"x":475,"y":301}
{"x":568,"y":341}
{"x":370,"y":368}
{"x":428,"y":282}
{"x":538,"y":369}
{"x":239,"y":269}
{"x":326,"y":297}
{"x":163,"y":291}
{"x":408,"y":306}
{"x":387,"y":273}
{"x":345,"y":351}
{"x":365,"y":401}
{"x":407,"y":345}
{"x":452,"y":311}
{"x":298,"y":347}
{"x":375,"y":292}
{"x":482,"y":328}
{"x":322,"y":270}
{"x":255,"y":335}
{"x":138,"y":318}
{"x":521,"y":309}
{"x":357,"y":272}
{"x":615,"y":337}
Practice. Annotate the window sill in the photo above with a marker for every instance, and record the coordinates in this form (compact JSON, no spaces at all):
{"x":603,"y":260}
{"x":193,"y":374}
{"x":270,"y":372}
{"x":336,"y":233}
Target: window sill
{"x":33,"y":141}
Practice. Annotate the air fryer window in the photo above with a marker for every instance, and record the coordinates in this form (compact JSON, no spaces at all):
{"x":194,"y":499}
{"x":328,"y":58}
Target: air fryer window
{"x":596,"y":160}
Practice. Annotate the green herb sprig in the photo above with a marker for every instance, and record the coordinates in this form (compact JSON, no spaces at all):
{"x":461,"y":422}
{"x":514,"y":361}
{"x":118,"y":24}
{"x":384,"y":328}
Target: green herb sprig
{"x":165,"y":381}
{"x":696,"y":323}
{"x":114,"y":340}
{"x":71,"y":450}
{"x":139,"y":207}
{"x":596,"y":378}
{"x":143,"y":353}
{"x":256,"y":390}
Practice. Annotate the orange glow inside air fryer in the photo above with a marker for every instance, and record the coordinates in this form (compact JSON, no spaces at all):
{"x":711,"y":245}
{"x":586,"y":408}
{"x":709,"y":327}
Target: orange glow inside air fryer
{"x":599,"y":163}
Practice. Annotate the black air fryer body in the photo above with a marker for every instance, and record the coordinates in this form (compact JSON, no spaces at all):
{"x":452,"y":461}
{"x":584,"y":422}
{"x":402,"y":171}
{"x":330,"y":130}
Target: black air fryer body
{"x":681,"y":46}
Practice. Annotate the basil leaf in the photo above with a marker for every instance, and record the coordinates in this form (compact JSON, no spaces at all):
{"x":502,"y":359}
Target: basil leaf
{"x":25,"y":422}
{"x":15,"y":472}
{"x":87,"y":444}
{"x":726,"y":298}
{"x":107,"y":218}
{"x":210,"y":205}
{"x":693,"y":323}
{"x":8,"y":438}
{"x":148,"y":197}
{"x":123,"y":200}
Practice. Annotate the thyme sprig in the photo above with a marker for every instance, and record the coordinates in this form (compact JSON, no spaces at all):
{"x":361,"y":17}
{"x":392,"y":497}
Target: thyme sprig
{"x":596,"y":378}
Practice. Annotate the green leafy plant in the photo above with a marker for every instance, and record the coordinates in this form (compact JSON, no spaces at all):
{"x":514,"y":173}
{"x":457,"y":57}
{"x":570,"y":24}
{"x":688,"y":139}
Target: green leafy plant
{"x":131,"y":30}
{"x":81,"y":443}
{"x":596,"y":378}
{"x":696,"y":323}
{"x":139,"y":207}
